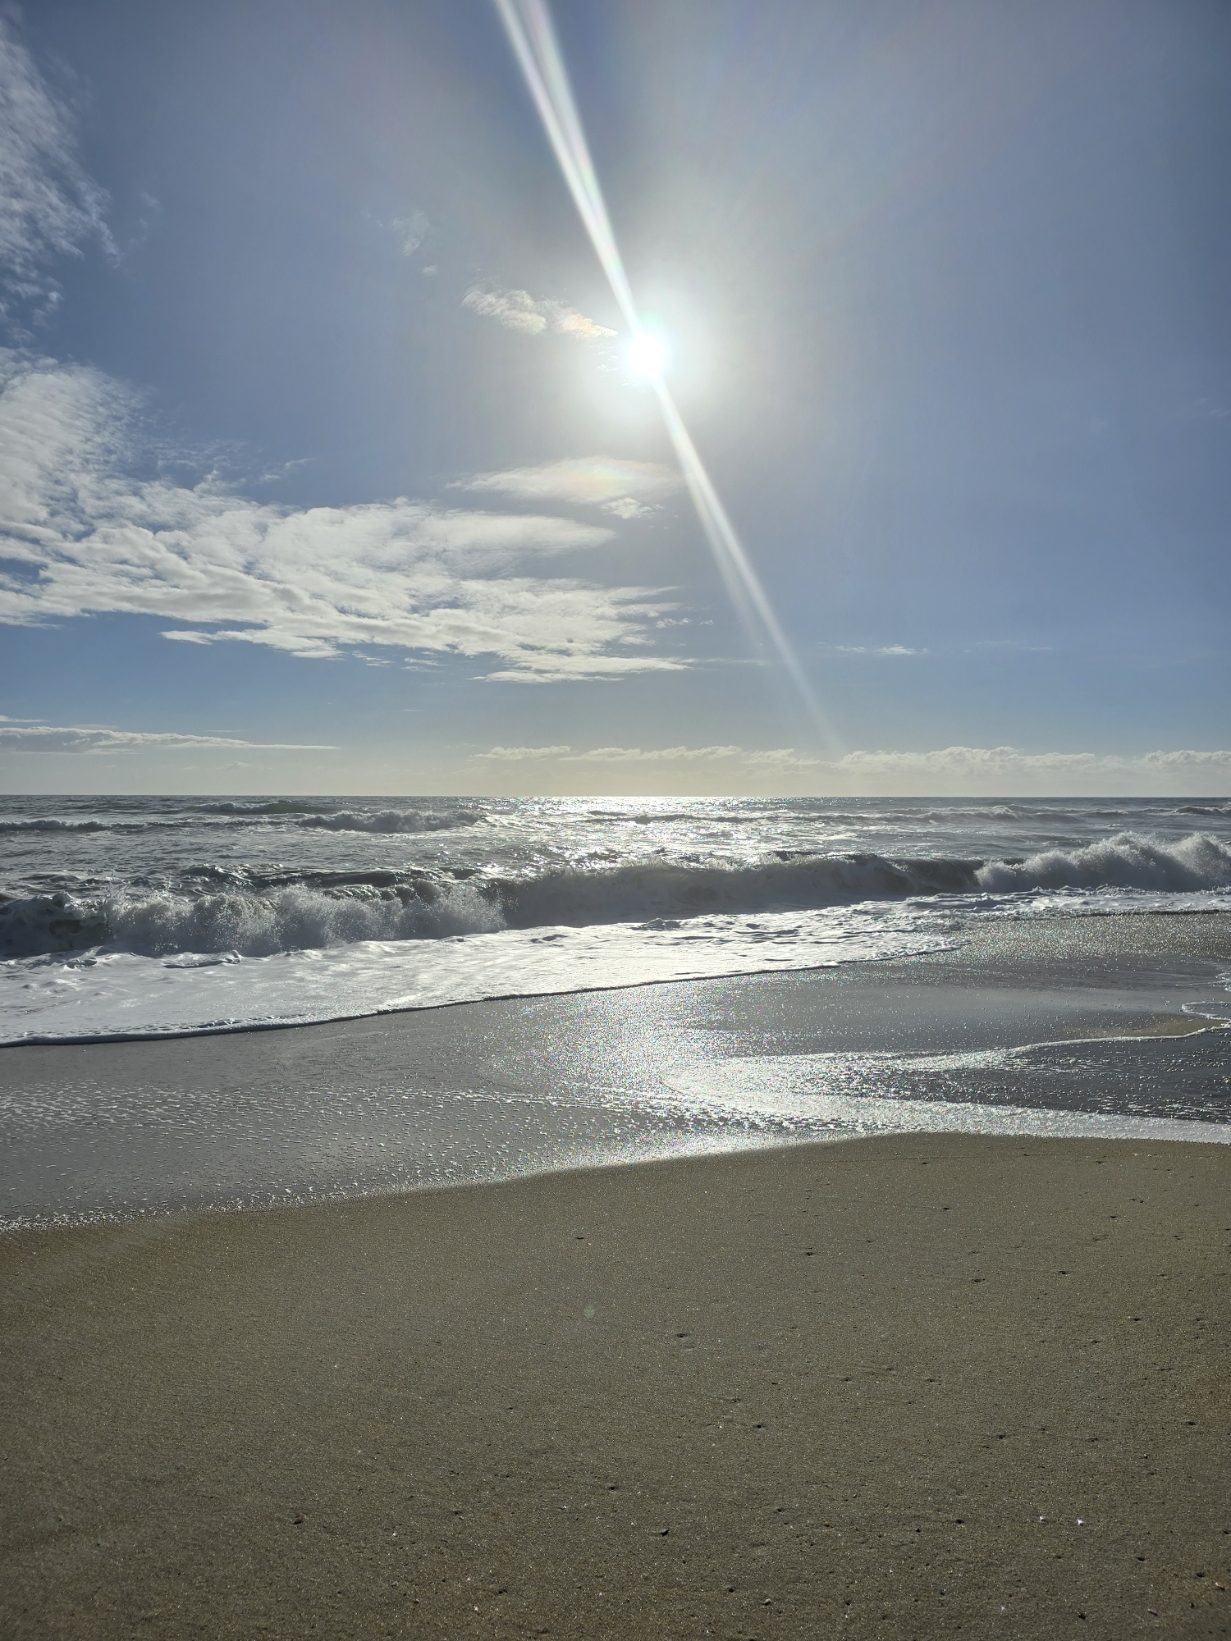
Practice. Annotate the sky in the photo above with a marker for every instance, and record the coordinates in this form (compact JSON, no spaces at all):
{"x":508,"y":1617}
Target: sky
{"x":448,"y":396}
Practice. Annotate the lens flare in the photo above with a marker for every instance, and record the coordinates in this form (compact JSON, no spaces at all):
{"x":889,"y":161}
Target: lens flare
{"x":529,"y":28}
{"x":646,"y":355}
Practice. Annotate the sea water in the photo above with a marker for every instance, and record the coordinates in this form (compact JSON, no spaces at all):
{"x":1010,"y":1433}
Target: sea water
{"x":142,"y":917}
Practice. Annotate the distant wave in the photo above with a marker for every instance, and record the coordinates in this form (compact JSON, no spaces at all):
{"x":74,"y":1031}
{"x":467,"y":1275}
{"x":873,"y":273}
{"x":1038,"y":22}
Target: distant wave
{"x":263,"y":807}
{"x":388,"y":820}
{"x":312,"y":816}
{"x":307,"y":911}
{"x":240,"y":814}
{"x":49,"y":824}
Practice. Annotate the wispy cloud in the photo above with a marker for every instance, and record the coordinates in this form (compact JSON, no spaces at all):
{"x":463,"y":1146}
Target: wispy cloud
{"x":532,"y":315}
{"x":625,"y":488}
{"x":890,"y":650}
{"x":999,"y":762}
{"x":628,"y":509}
{"x":583,"y":668}
{"x":411,"y":230}
{"x":85,"y":537}
{"x":94,"y":738}
{"x":774,"y":757}
{"x":49,"y":207}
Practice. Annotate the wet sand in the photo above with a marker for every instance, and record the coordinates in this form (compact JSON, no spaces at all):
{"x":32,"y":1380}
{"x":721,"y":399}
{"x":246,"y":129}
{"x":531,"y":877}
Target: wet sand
{"x":898,"y":1387}
{"x":486,"y":1091}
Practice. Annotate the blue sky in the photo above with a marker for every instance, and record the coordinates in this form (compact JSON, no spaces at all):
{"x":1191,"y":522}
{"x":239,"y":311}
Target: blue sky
{"x":324,"y":468}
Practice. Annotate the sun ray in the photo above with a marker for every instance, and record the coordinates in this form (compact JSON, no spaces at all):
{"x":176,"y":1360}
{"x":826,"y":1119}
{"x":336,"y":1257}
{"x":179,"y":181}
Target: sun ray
{"x":533,"y":39}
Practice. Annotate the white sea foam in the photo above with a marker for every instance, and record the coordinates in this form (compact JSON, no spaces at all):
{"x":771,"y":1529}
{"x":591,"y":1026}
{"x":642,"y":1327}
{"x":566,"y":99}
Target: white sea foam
{"x":254,"y":925}
{"x":1126,"y":861}
{"x":299,"y":916}
{"x":442,"y":899}
{"x":111,"y":993}
{"x":388,"y":820}
{"x":332,"y":819}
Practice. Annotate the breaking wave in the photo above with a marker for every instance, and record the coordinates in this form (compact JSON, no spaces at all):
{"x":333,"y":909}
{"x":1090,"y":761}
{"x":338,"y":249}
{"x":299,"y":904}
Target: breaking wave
{"x":312,"y":816}
{"x":298,"y":914}
{"x":263,"y":808}
{"x":388,"y":820}
{"x":74,"y":827}
{"x":20,"y":826}
{"x":251,"y":925}
{"x":1127,"y":861}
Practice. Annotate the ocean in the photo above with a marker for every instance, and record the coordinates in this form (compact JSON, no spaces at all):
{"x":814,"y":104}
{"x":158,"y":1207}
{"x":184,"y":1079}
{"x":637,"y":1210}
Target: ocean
{"x":825,"y":969}
{"x":140,"y":917}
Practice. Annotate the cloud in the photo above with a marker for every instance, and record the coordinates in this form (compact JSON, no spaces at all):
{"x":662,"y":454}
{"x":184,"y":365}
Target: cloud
{"x":965,"y":758}
{"x":568,"y":322}
{"x":93,"y":738}
{"x":1001,"y":770}
{"x":49,"y":206}
{"x":411,"y":230}
{"x":774,"y":757}
{"x":624,"y":507}
{"x":85,"y":537}
{"x":873,"y":649}
{"x":996,"y":770}
{"x":620,"y":486}
{"x":533,"y":316}
{"x":584,"y":668}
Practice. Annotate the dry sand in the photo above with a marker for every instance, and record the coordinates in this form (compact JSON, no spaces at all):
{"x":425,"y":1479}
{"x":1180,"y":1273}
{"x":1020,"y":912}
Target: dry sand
{"x":890,"y":1388}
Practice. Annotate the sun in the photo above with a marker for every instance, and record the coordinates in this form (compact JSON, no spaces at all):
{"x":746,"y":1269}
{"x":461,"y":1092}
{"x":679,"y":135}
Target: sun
{"x":646,"y":355}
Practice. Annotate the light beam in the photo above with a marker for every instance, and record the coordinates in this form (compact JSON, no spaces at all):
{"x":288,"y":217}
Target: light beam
{"x":533,"y":39}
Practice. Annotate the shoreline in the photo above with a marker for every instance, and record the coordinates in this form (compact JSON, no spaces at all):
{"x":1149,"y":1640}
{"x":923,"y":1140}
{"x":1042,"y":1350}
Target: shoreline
{"x":1063,"y":1025}
{"x":948,"y":950}
{"x":897,"y":1386}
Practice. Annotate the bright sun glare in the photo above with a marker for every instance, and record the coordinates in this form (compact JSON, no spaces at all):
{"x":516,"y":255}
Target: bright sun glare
{"x":646,"y":354}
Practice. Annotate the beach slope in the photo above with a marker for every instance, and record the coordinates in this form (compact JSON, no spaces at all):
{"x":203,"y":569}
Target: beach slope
{"x":900,"y":1387}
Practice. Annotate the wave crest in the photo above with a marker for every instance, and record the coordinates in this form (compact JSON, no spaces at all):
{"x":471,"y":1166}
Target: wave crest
{"x":253,"y":925}
{"x":388,"y":820}
{"x":335,"y":909}
{"x":1127,"y":861}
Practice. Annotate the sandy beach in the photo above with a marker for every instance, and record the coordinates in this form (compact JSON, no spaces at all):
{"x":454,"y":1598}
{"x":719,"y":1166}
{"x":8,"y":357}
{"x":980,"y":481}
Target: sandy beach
{"x":898,"y":1387}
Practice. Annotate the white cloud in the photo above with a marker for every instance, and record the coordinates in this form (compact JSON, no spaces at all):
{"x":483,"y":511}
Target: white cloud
{"x":84,"y":537}
{"x":946,"y":760}
{"x":532,"y":315}
{"x":624,"y":507}
{"x":92,"y":738}
{"x":873,"y":649}
{"x":960,"y":770}
{"x":523,"y":754}
{"x":775,"y":757}
{"x":568,"y":322}
{"x":612,"y":482}
{"x":662,"y":754}
{"x":1003,"y":770}
{"x":584,"y":668}
{"x":411,"y":230}
{"x":515,"y":310}
{"x":49,"y":207}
